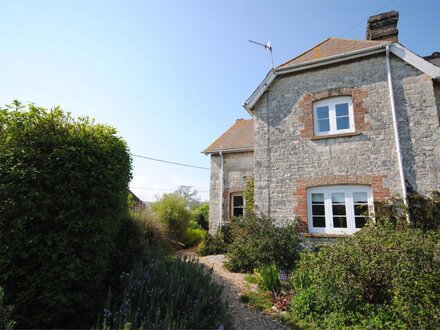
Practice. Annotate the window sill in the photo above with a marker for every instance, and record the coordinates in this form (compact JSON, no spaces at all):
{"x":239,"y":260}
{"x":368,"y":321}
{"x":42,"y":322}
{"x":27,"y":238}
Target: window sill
{"x":331,"y":136}
{"x":326,"y":235}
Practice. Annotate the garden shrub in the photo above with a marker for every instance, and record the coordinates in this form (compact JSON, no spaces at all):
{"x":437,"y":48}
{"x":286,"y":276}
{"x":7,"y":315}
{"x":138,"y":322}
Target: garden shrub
{"x":5,"y":313}
{"x":380,"y":277}
{"x":171,"y":210}
{"x":63,"y":191}
{"x":167,"y":294}
{"x":423,"y":211}
{"x":200,"y":215}
{"x":258,"y":241}
{"x":268,"y":278}
{"x":215,"y":244}
{"x":193,"y":236}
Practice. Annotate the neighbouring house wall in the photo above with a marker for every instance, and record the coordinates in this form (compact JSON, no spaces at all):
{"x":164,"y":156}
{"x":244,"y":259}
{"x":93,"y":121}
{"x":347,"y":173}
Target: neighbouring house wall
{"x":236,"y":168}
{"x":287,"y":160}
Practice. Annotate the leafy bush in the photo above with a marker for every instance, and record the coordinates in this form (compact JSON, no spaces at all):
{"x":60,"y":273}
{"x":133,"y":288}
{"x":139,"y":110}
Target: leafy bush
{"x":63,"y":191}
{"x":167,"y":294}
{"x":171,"y":210}
{"x":257,"y":241}
{"x":378,"y":278}
{"x":5,"y":313}
{"x":422,"y":211}
{"x":193,"y":236}
{"x":215,"y":244}
{"x":200,"y":215}
{"x":268,"y":278}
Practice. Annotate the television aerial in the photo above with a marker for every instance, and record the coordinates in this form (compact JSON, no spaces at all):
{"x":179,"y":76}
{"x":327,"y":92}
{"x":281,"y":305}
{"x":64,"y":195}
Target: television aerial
{"x":267,"y":46}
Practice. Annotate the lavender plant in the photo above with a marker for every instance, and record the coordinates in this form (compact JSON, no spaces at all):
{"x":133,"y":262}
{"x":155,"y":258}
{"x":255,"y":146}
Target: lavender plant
{"x":167,"y":294}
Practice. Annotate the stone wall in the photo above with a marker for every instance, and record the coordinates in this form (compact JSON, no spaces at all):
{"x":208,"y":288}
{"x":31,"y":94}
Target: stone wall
{"x":236,"y":168}
{"x":288,"y":159}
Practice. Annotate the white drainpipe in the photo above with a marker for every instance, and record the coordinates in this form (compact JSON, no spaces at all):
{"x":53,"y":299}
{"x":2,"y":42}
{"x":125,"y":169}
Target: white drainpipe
{"x":396,"y":129}
{"x":221,"y":189}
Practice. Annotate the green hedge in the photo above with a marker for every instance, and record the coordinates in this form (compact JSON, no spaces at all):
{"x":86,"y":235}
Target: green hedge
{"x":380,"y":278}
{"x":257,"y":241}
{"x":63,"y":191}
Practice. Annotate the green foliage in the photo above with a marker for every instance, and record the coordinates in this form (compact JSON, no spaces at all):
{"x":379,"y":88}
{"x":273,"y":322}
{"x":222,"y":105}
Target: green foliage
{"x":63,"y":191}
{"x":5,"y":313}
{"x":171,"y":210}
{"x":380,"y":278}
{"x":249,"y":196}
{"x":423,"y":211}
{"x":193,"y":236}
{"x":260,"y":300}
{"x":268,"y":278}
{"x":257,"y":241}
{"x":167,"y":294}
{"x":215,"y":244}
{"x":140,"y":236}
{"x":200,"y":215}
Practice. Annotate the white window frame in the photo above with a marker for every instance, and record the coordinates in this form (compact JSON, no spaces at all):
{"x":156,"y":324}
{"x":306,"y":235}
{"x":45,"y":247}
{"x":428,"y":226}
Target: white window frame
{"x":331,"y":104}
{"x":348,"y":190}
{"x":232,"y":207}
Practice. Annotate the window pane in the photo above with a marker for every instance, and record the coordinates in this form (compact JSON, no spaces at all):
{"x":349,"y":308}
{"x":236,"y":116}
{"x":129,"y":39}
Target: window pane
{"x":319,"y":222}
{"x":340,"y":222}
{"x":360,"y":222}
{"x":323,"y":125}
{"x":318,"y":209}
{"x":360,"y":197}
{"x":238,"y":201}
{"x":322,"y":112}
{"x":237,"y":211}
{"x":341,"y":109}
{"x":342,"y":123}
{"x":361,"y":209}
{"x":338,"y":198}
{"x":317,"y":198}
{"x":339,"y":210}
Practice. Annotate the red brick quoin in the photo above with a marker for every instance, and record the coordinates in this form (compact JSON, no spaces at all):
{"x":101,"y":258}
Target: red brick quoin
{"x":305,"y":107}
{"x":376,"y":183}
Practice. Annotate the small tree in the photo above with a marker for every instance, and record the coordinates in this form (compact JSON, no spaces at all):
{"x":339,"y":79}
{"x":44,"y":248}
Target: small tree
{"x":171,"y":210}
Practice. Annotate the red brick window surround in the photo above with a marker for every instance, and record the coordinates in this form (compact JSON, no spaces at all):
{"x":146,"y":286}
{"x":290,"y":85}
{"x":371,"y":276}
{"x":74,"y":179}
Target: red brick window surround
{"x":305,"y":107}
{"x":379,"y":192}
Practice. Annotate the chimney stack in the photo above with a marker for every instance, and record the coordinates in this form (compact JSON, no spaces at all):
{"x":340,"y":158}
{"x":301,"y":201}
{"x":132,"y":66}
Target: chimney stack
{"x":383,"y":27}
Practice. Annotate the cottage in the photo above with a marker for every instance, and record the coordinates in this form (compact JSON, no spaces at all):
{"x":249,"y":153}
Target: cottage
{"x":342,"y":125}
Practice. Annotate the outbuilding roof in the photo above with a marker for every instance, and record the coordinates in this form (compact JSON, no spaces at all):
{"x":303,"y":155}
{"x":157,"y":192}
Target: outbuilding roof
{"x":238,"y":138}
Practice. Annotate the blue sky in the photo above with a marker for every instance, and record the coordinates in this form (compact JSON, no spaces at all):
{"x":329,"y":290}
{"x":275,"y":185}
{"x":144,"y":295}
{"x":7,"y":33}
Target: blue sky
{"x":171,"y":76}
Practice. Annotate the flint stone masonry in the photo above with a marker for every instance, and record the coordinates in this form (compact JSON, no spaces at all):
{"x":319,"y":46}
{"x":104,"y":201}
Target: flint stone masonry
{"x":237,"y":167}
{"x":285,"y":153}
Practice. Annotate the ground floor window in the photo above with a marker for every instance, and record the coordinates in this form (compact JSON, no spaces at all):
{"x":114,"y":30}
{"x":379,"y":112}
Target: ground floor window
{"x":338,"y":209}
{"x":237,"y":204}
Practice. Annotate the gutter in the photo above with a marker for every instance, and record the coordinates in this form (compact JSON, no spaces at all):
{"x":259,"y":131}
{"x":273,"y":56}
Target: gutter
{"x":396,"y":128}
{"x":226,"y":151}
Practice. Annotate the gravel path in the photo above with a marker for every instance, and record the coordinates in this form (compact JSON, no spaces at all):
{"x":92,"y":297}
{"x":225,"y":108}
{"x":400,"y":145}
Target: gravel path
{"x":234,"y":283}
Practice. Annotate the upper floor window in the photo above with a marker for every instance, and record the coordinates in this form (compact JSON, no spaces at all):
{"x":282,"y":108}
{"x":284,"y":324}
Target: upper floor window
{"x":333,"y":116}
{"x":338,"y":209}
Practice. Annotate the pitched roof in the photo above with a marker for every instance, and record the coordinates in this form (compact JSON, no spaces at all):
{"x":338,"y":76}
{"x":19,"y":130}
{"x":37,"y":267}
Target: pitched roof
{"x":331,"y":47}
{"x":334,"y":50}
{"x":239,"y":137}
